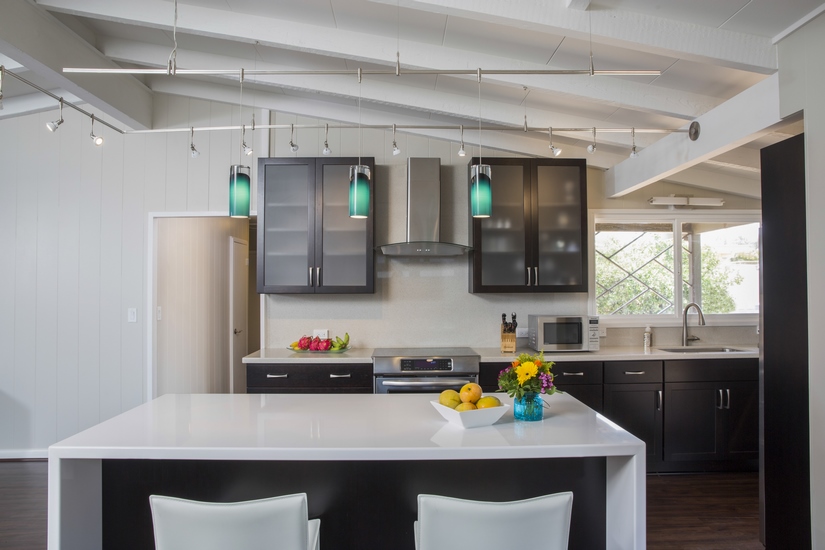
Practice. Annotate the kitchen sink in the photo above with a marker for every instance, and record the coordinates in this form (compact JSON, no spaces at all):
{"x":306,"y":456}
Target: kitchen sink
{"x":698,"y":349}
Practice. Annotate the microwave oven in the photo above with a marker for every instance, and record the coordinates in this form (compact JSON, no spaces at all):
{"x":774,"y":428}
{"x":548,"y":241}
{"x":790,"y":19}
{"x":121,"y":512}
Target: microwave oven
{"x":556,"y":333}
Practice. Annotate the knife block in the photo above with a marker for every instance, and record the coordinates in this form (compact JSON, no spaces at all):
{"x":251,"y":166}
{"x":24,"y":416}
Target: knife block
{"x":508,"y":341}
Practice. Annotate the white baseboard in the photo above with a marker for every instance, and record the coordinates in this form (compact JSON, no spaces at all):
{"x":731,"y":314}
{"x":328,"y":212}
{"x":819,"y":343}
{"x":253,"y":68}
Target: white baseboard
{"x":11,"y":454}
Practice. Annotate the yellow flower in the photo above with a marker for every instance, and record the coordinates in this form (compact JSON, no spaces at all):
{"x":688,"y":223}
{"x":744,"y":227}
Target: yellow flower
{"x":526,"y":371}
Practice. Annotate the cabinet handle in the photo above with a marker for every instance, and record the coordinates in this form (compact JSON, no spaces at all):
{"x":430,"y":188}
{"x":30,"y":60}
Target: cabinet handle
{"x":310,"y":277}
{"x":572,"y":374}
{"x":536,"y":275}
{"x":659,"y":405}
{"x":340,"y":375}
{"x":317,"y":276}
{"x":728,"y":392}
{"x":528,"y":277}
{"x":721,"y":404}
{"x":277,"y":375}
{"x":634,"y":372}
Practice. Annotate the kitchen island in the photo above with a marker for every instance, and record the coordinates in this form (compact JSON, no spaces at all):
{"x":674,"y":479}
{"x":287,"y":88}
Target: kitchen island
{"x":362,"y":459}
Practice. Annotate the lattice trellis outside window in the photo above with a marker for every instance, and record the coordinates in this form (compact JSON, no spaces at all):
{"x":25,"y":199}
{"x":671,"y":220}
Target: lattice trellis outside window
{"x":635,"y":268}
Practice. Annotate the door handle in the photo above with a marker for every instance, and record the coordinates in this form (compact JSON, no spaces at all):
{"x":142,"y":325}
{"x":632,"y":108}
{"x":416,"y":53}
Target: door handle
{"x":310,"y":277}
{"x":659,"y":405}
{"x":728,"y":392}
{"x":236,"y":331}
{"x":528,"y":277}
{"x":536,"y":275}
{"x":317,"y":276}
{"x":721,"y":404}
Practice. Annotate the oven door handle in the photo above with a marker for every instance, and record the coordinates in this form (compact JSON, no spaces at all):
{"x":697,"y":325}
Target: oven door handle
{"x":414,"y":383}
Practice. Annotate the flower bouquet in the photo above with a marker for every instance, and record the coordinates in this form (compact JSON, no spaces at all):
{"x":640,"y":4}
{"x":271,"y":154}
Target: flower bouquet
{"x":525,"y":380}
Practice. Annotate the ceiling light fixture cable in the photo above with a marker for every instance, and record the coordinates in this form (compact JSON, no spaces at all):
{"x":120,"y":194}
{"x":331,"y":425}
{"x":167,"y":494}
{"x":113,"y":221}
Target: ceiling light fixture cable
{"x":461,"y":151}
{"x":53,"y":125}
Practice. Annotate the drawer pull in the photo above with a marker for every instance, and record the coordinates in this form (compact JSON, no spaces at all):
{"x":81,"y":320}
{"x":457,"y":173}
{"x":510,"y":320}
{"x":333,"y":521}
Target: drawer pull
{"x":634,"y":372}
{"x":572,"y":374}
{"x":277,"y":375}
{"x":340,"y":375}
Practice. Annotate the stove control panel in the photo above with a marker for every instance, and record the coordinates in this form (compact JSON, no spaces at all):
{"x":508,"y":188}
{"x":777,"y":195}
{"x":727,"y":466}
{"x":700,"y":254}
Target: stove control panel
{"x":427,"y":365}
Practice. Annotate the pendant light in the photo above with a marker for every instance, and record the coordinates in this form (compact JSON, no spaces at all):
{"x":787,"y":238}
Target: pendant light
{"x":239,"y":181}
{"x":359,"y":176}
{"x":481,"y":194}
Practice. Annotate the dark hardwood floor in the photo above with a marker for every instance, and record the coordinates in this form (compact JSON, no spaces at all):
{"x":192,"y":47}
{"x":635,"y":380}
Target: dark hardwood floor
{"x":684,"y":512}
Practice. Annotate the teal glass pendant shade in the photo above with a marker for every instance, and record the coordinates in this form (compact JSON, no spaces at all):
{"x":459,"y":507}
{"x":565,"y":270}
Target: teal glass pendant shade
{"x":481,"y":193}
{"x":359,"y":191}
{"x":239,"y":191}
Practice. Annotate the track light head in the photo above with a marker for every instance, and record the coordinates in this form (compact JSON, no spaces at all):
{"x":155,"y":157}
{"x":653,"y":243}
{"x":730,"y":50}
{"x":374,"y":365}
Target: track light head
{"x":634,"y":153}
{"x":293,"y":146}
{"x":194,"y":152}
{"x":326,"y":150}
{"x":461,"y":151}
{"x":591,"y":148}
{"x":395,"y":150}
{"x":53,"y":125}
{"x":97,"y":139}
{"x":247,"y":150}
{"x":555,"y":151}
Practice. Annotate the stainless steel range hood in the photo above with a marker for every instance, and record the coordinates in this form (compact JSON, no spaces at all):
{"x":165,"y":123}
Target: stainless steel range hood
{"x":423,"y":213}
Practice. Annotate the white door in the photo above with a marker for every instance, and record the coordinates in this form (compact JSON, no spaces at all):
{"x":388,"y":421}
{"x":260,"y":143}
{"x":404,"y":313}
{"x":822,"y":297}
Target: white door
{"x":238,"y":277}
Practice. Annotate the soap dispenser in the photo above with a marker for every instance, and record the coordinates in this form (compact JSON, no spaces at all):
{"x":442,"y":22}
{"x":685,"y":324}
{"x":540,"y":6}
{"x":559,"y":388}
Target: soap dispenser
{"x":648,"y":337}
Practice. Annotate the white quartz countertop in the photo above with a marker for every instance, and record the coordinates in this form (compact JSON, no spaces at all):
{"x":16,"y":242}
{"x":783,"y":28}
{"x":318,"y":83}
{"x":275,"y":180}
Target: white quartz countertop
{"x":491,"y":355}
{"x":339,"y":427}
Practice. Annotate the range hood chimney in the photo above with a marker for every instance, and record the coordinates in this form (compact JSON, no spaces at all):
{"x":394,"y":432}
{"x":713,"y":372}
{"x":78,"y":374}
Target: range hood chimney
{"x":423,"y":213}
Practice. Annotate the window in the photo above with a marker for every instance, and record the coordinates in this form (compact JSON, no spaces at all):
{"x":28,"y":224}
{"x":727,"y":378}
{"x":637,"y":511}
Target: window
{"x":652,"y":264}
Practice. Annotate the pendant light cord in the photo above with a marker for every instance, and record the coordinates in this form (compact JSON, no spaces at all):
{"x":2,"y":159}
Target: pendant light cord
{"x":479,"y":118}
{"x":172,"y":63}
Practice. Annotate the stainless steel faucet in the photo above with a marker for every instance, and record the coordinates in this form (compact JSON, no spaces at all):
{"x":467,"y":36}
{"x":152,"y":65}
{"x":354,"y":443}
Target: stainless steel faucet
{"x":684,"y":322}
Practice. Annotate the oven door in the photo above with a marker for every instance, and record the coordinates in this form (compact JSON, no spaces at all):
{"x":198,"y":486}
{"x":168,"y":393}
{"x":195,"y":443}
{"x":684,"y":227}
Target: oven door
{"x":421,"y":384}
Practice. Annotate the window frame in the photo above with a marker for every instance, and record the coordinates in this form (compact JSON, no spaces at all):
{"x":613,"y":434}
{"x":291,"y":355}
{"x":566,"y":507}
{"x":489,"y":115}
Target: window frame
{"x":677,"y":217}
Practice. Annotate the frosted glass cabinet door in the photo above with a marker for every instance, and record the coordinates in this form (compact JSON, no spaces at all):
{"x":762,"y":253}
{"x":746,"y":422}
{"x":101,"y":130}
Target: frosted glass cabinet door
{"x":559,"y":218}
{"x":346,"y":251}
{"x":502,"y":246}
{"x":285,"y":230}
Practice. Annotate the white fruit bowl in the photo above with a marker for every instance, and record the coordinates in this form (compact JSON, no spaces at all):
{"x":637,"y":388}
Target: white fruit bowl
{"x":471,"y":419}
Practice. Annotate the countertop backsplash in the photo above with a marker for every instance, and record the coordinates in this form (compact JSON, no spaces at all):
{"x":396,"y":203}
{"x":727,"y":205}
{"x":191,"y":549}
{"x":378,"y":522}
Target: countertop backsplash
{"x":672,"y":336}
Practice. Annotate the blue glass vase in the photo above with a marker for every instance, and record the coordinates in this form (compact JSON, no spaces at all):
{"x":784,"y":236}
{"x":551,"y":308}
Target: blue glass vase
{"x":530,"y":407}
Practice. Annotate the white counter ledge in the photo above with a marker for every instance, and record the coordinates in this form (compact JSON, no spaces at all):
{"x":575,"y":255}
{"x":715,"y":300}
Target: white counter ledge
{"x":356,"y":428}
{"x":284,"y":355}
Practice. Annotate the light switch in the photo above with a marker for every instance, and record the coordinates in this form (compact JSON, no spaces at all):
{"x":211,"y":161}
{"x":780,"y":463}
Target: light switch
{"x":131,"y":314}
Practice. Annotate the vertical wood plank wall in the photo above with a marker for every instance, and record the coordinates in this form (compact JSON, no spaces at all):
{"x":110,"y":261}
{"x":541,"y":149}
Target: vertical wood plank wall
{"x":73,"y":230}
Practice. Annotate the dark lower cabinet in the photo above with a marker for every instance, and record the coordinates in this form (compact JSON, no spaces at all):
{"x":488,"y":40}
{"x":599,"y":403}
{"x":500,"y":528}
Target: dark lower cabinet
{"x":582,"y":380}
{"x":309,"y":378}
{"x":712,"y":413}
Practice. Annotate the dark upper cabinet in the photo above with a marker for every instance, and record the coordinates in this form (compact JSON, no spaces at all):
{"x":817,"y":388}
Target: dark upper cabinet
{"x":536,"y":238}
{"x":307,"y":243}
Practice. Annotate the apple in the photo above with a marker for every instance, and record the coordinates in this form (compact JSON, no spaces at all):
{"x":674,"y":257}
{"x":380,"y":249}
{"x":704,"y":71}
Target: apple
{"x":488,"y":401}
{"x":449,"y":398}
{"x":470,"y":393}
{"x":466,"y":406}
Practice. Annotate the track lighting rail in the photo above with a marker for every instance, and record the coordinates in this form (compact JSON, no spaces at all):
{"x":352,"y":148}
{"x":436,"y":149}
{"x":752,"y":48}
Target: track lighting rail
{"x":359,"y":71}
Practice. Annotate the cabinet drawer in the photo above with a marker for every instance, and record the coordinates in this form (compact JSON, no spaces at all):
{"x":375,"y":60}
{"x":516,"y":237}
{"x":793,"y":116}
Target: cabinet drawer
{"x":632,"y":372}
{"x":711,"y":370}
{"x":577,"y":372}
{"x":327,"y":375}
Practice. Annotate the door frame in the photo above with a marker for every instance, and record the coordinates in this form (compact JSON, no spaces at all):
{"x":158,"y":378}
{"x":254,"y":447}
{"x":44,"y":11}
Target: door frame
{"x":232,"y":285}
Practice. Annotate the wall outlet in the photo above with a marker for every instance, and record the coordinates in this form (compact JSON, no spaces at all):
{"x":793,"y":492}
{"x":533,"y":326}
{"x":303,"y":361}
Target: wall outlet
{"x":321,"y":333}
{"x":521,"y":332}
{"x":602,"y":332}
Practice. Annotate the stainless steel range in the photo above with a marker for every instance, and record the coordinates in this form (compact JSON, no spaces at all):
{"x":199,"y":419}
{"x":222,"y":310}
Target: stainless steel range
{"x":423,"y":370}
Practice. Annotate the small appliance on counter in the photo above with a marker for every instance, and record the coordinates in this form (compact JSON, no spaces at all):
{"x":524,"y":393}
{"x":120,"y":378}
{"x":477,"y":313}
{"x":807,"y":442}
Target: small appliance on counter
{"x":556,"y":333}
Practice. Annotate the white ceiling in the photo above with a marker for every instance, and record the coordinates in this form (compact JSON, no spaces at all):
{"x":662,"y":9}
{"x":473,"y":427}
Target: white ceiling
{"x":707,"y":50}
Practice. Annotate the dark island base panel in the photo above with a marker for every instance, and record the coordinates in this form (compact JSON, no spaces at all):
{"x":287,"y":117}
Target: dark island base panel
{"x":361,"y":504}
